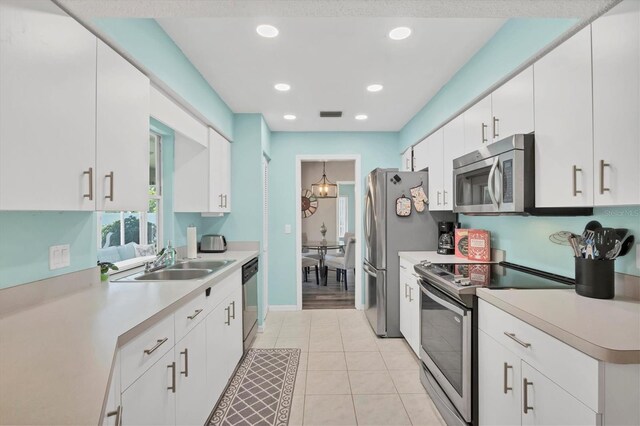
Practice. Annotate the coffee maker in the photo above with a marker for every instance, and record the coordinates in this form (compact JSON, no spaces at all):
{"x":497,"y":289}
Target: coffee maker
{"x":446,"y":237}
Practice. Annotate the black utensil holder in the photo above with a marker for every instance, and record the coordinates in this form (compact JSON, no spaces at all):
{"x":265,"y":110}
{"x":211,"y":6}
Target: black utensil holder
{"x":595,"y":278}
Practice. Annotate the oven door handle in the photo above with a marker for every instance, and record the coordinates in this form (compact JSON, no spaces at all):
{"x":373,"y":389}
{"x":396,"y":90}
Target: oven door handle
{"x":491,"y":182}
{"x":443,"y":302}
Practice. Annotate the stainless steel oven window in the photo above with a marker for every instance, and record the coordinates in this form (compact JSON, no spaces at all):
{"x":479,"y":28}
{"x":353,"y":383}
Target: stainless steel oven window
{"x":446,"y":346}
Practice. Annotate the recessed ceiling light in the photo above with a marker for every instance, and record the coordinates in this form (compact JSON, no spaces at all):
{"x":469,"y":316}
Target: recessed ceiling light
{"x":374,"y":87}
{"x":399,"y":33}
{"x":289,"y":117}
{"x":361,"y":117}
{"x":268,"y":31}
{"x":282,"y":87}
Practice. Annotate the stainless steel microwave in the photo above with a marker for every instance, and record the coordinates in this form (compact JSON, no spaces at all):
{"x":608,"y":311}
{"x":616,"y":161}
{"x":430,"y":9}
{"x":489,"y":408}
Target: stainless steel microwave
{"x":497,"y":179}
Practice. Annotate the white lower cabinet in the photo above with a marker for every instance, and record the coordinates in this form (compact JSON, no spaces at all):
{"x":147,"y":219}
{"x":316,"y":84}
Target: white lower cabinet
{"x":150,"y":400}
{"x":192,"y":405}
{"x":409,"y":306}
{"x":546,"y":403}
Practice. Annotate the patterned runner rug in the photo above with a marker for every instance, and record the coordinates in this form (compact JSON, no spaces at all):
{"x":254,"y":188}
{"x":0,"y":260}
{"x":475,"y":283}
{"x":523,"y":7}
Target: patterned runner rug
{"x":261,"y":391}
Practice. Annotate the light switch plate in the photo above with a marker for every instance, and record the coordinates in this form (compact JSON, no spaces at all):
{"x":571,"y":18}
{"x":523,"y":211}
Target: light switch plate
{"x":287,"y":229}
{"x":638,"y":256}
{"x":59,"y":256}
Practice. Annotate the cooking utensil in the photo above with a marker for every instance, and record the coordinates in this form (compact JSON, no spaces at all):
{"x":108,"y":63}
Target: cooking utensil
{"x":561,"y":238}
{"x":589,"y":229}
{"x":626,"y":246}
{"x":575,"y":245}
{"x":605,"y":241}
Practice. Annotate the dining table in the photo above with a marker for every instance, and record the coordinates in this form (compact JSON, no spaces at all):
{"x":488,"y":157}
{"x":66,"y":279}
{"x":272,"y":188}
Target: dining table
{"x":322,"y":246}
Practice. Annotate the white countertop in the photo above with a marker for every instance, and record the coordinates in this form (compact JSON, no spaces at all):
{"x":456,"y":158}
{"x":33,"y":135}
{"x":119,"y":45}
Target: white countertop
{"x":607,"y":330}
{"x":433,"y":257}
{"x":56,"y":358}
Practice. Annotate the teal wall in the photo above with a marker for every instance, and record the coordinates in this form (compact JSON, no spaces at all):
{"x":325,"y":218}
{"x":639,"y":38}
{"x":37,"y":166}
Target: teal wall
{"x":526,"y":239}
{"x":148,"y":43}
{"x":25,"y":238}
{"x":512,"y":45}
{"x":377,"y":149}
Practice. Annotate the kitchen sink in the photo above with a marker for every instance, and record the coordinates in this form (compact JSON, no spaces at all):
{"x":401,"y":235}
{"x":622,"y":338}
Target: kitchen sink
{"x":213,"y":265}
{"x":169,"y":275}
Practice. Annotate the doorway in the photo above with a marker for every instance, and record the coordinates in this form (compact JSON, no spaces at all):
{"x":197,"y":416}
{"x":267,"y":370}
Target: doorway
{"x":328,"y":233}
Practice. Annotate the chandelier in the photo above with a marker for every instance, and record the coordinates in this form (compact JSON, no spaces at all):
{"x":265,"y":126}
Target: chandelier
{"x":324,"y":188}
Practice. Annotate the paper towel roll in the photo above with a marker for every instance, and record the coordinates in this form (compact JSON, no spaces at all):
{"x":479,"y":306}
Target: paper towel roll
{"x":192,"y":242}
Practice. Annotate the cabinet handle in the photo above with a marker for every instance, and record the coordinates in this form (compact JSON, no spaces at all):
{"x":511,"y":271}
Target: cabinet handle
{"x":495,"y":127}
{"x":405,"y":291}
{"x":444,"y":197}
{"x":186,"y":362}
{"x":484,"y":137}
{"x":513,"y":337}
{"x":602,"y":166}
{"x":403,"y":267}
{"x":506,"y":387}
{"x":225,"y":200}
{"x":159,"y":343}
{"x":438,"y":197}
{"x":110,"y":177}
{"x":228,"y":321}
{"x":172,"y":366}
{"x":90,"y":194}
{"x":220,"y":205}
{"x":195,"y":314}
{"x":118,"y":413}
{"x":233,"y":306}
{"x":525,"y":395}
{"x":410,"y":298}
{"x":576,"y":169}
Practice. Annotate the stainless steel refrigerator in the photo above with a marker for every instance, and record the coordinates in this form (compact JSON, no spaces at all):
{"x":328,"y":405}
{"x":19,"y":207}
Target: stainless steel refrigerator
{"x":386,"y":234}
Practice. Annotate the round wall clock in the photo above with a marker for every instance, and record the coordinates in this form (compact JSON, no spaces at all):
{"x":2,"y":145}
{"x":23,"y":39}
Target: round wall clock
{"x":309,"y":203}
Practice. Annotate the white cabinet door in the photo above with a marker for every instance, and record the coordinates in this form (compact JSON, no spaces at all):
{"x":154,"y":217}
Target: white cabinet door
{"x":150,"y":400}
{"x":563,"y":123}
{"x":499,"y":383}
{"x":435,"y":165}
{"x":122,"y":133}
{"x":512,"y":106}
{"x":191,"y":176}
{"x":192,"y":402}
{"x":421,"y":156}
{"x":413,"y":315}
{"x":453,"y":147}
{"x":220,"y":173}
{"x":47,"y":109}
{"x":407,"y":160}
{"x":405,"y":320}
{"x":616,"y":105}
{"x":113,"y":409}
{"x":234,"y":331}
{"x":477,"y":125}
{"x":217,"y":323}
{"x":545,"y":403}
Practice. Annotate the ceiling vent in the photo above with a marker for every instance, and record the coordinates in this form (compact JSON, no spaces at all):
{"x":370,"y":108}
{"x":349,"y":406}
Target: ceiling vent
{"x":330,"y":114}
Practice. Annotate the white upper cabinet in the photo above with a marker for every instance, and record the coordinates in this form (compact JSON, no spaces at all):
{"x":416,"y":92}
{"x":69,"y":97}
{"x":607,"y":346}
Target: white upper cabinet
{"x":220,"y":173}
{"x":122,"y":161}
{"x":434,"y":161}
{"x":616,"y":105}
{"x":477,"y":125}
{"x":512,"y":107}
{"x":453,"y":147}
{"x":191,"y":176}
{"x":407,"y":160}
{"x":47,"y":109}
{"x":563,"y":123}
{"x":420,"y":156}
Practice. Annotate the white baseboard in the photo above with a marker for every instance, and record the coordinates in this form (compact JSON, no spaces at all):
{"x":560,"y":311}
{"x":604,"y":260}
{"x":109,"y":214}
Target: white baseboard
{"x":261,"y":329}
{"x":276,"y":308}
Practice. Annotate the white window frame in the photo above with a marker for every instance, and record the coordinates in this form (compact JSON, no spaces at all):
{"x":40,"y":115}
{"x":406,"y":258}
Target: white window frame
{"x":342,"y":182}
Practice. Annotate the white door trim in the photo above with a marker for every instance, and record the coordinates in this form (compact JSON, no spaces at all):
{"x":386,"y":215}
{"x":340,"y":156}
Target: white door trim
{"x":358,"y":231}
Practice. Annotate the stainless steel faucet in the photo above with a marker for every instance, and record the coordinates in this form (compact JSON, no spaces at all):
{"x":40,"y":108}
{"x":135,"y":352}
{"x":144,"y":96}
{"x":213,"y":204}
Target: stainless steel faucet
{"x":166,"y":258}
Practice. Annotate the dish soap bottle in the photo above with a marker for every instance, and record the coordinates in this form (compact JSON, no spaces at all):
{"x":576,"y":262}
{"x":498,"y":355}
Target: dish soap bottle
{"x":171,"y":254}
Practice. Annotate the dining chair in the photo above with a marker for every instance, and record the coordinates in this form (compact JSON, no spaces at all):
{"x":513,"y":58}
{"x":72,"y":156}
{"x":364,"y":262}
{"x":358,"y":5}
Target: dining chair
{"x":345,"y":263}
{"x":305,"y":251}
{"x":307,"y":263}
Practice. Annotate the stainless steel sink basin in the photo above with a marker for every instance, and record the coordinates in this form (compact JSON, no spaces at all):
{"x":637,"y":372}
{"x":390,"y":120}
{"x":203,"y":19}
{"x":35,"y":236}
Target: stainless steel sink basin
{"x":169,"y":275}
{"x":213,"y":265}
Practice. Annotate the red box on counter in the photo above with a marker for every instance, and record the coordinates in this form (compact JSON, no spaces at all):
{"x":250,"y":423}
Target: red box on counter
{"x":479,"y":245}
{"x":462,"y":242}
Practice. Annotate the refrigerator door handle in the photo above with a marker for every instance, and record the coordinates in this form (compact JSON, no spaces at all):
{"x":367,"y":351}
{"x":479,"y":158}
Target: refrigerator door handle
{"x":367,"y":218}
{"x":369,"y":270}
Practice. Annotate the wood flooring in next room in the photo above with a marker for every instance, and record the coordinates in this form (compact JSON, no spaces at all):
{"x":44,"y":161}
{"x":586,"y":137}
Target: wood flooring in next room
{"x":331,"y":296}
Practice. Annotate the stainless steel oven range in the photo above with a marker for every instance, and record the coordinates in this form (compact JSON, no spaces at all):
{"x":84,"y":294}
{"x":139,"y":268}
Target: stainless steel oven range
{"x":449,"y":327}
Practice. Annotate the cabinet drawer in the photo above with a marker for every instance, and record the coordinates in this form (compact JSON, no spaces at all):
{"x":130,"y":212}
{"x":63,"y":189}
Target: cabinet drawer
{"x":572,"y":370}
{"x":141,"y":353}
{"x":190,"y":314}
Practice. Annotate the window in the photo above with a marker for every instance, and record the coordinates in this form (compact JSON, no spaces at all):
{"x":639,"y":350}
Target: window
{"x":120,"y":228}
{"x":343,"y":215}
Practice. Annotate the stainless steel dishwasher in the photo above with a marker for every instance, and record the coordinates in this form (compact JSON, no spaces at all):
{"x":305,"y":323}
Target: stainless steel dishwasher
{"x":249,"y":301}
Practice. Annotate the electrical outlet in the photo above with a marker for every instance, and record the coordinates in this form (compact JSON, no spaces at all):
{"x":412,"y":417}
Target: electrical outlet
{"x":59,"y":256}
{"x":287,"y":229}
{"x":638,"y":256}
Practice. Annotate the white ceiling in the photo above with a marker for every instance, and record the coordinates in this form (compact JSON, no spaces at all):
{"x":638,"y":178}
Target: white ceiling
{"x":329,"y":51}
{"x":329,"y":62}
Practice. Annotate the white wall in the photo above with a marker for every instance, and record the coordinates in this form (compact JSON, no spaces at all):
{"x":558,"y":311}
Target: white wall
{"x":311,"y":173}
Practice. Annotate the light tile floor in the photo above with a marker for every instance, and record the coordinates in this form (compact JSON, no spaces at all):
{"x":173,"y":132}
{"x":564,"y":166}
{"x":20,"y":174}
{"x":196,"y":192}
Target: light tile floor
{"x":347,"y":375}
